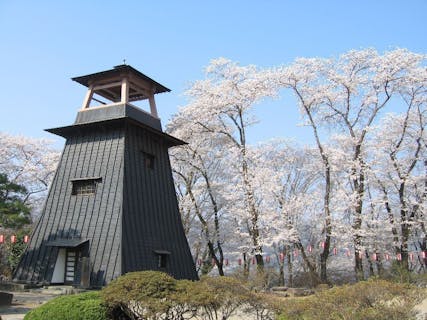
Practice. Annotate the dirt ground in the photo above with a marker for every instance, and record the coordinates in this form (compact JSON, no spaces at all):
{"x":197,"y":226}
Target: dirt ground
{"x":22,"y":303}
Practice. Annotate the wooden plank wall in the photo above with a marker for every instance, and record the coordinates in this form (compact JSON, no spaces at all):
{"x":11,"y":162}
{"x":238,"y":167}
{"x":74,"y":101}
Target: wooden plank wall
{"x":151,"y":218}
{"x":95,"y":153}
{"x":133,"y":213}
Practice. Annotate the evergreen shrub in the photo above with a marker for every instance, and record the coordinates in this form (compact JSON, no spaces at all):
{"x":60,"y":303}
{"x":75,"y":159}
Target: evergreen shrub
{"x":83,"y":306}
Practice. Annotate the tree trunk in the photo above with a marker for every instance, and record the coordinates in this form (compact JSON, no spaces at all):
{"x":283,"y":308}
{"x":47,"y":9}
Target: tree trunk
{"x":359,"y":189}
{"x":371,"y":266}
{"x":324,"y":259}
{"x":253,"y":214}
{"x":290,"y":268}
{"x":246,"y":266}
{"x":281,"y":273}
{"x":328,"y":224}
{"x":380,"y":266}
{"x":311,"y":268}
{"x":327,"y":196}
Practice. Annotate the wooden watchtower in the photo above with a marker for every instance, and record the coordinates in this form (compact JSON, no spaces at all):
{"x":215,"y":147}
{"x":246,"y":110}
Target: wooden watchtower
{"x":112,"y":207}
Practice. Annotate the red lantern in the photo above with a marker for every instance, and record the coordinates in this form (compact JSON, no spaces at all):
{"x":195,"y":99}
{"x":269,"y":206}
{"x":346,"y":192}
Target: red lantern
{"x":399,"y":257}
{"x":423,"y":254}
{"x":1,"y":238}
{"x":13,"y":239}
{"x":26,"y":239}
{"x":322,"y":245}
{"x":335,"y":251}
{"x":411,"y":256}
{"x":309,"y":248}
{"x":239,"y":261}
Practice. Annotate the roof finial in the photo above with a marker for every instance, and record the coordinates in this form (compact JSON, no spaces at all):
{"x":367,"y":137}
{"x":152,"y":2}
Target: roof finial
{"x":124,"y":61}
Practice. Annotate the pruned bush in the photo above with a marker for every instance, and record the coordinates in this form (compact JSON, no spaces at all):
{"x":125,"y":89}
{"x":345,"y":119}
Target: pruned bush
{"x":262,"y":306}
{"x":373,"y":299}
{"x":156,"y":295}
{"x":141,"y":295}
{"x":225,"y":296}
{"x":83,"y":306}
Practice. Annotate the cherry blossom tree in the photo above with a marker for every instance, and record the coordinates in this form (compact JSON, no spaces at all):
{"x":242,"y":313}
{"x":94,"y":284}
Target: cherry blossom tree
{"x":197,"y":170}
{"x":362,"y":186}
{"x":290,"y":196}
{"x":347,"y":95}
{"x":398,"y":168}
{"x":221,"y":106}
{"x":29,"y":162}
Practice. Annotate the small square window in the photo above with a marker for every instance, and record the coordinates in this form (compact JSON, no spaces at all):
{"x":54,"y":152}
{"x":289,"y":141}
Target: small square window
{"x":148,"y":160}
{"x":84,"y":187}
{"x":162,"y":260}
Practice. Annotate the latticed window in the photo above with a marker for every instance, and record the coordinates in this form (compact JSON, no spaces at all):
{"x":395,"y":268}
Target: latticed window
{"x":85,"y":187}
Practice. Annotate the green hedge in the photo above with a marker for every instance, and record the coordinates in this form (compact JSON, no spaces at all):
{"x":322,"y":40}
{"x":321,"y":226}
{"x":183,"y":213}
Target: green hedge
{"x":83,"y":306}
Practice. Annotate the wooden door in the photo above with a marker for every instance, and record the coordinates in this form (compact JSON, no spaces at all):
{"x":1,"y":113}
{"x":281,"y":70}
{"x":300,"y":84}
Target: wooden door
{"x":70,"y":266}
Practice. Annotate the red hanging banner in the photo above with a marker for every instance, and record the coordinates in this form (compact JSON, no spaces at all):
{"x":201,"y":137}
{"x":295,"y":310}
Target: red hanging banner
{"x":411,"y":256}
{"x":199,"y":262}
{"x":13,"y":238}
{"x":226,"y":262}
{"x":322,"y":244}
{"x":239,"y":261}
{"x":423,"y":254}
{"x":309,"y":248}
{"x":1,"y":238}
{"x":399,"y":257}
{"x":26,"y":239}
{"x":335,"y":251}
{"x":387,"y":257}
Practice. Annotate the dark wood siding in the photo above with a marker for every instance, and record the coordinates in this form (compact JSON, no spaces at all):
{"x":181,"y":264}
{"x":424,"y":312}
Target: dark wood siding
{"x":132,"y":215}
{"x":93,"y":153}
{"x":151,"y":219}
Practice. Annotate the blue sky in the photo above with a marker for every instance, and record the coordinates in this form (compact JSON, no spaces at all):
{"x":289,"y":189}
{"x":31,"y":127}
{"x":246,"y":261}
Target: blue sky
{"x":45,"y":43}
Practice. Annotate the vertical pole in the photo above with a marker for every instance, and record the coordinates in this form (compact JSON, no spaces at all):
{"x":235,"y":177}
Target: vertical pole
{"x":153,"y":108}
{"x":125,"y":91}
{"x":88,"y":98}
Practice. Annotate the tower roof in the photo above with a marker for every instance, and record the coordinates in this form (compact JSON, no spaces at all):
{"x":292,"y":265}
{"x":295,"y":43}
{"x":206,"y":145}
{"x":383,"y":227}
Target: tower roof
{"x":140,"y":87}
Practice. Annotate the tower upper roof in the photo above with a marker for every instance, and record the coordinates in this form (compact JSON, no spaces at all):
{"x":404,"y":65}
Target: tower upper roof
{"x":140,"y":85}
